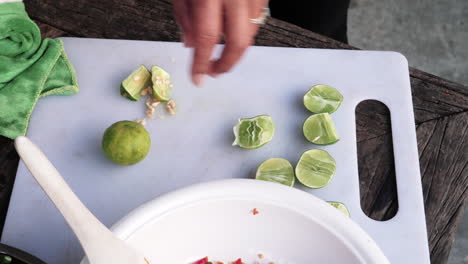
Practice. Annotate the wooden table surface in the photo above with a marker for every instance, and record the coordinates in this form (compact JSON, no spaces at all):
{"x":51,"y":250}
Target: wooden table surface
{"x":440,"y":108}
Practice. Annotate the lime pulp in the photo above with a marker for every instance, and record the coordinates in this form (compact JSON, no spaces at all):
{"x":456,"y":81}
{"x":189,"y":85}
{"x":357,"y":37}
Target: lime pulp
{"x":138,"y":80}
{"x":252,"y":133}
{"x":315,"y":168}
{"x":322,"y":99}
{"x":162,"y":86}
{"x":320,"y":129}
{"x":276,"y":170}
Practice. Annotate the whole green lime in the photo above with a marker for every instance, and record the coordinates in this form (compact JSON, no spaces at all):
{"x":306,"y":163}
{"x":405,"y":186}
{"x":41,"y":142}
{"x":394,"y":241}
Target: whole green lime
{"x":126,"y":142}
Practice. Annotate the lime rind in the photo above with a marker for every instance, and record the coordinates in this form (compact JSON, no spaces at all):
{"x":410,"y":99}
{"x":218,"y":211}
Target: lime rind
{"x":320,"y":129}
{"x":162,"y":86}
{"x":252,"y":133}
{"x":341,"y":207}
{"x":126,"y":142}
{"x":276,"y":170}
{"x":322,"y":99}
{"x":315,"y":168}
{"x":132,"y":86}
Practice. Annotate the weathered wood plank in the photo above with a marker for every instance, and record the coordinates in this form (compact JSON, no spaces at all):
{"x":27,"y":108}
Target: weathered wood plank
{"x":372,"y":120}
{"x":376,"y":161}
{"x":377,"y":177}
{"x":434,"y":97}
{"x":443,"y":151}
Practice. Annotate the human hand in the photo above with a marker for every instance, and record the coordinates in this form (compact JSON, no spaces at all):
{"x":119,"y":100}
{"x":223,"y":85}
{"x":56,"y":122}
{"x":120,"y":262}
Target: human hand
{"x":204,"y":22}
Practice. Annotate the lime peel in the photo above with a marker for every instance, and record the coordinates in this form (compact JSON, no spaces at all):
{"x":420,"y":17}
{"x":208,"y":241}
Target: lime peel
{"x":126,"y":142}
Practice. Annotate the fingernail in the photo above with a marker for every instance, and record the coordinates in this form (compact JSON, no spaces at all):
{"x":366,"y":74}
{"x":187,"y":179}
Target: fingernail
{"x":214,"y":74}
{"x":197,"y":79}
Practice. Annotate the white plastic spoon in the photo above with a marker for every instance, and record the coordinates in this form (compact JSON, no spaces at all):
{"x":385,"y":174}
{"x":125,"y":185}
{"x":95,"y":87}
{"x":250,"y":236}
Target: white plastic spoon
{"x":98,"y":242}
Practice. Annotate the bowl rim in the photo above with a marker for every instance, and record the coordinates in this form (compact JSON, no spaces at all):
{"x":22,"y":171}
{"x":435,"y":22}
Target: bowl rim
{"x":314,"y":208}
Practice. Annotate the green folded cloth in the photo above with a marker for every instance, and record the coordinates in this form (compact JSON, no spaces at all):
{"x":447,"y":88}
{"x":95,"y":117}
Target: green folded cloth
{"x":29,"y":69}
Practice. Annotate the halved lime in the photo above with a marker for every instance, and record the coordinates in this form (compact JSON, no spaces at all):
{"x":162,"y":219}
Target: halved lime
{"x":252,"y":133}
{"x":138,"y":80}
{"x":322,"y":99}
{"x":340,"y":206}
{"x":320,"y":129}
{"x":276,"y":170}
{"x":162,"y":85}
{"x":315,"y":168}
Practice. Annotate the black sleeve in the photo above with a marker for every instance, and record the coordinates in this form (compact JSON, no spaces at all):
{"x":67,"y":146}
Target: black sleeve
{"x":326,"y":17}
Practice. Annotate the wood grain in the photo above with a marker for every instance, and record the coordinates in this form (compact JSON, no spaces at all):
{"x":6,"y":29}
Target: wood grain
{"x":376,"y":162}
{"x":443,"y":151}
{"x":434,"y":97}
{"x":440,"y":108}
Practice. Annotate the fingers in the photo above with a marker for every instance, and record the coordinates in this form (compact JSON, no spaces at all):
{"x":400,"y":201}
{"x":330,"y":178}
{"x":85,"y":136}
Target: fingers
{"x":237,"y":35}
{"x":202,"y":22}
{"x":183,"y":18}
{"x":256,"y":9}
{"x":207,"y":15}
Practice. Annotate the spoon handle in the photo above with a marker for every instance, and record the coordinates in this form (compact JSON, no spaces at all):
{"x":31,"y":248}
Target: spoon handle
{"x":89,"y":230}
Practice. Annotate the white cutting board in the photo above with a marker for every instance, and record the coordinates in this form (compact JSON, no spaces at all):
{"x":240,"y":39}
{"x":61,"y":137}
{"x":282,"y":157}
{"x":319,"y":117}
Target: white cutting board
{"x":195,"y":145}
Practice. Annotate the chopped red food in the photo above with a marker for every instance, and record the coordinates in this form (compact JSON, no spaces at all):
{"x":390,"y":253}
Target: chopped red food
{"x":202,"y":261}
{"x":239,"y":261}
{"x":255,"y":212}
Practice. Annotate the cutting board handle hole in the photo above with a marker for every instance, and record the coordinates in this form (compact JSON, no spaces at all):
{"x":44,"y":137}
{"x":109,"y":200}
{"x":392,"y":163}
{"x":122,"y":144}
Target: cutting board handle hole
{"x":376,"y":163}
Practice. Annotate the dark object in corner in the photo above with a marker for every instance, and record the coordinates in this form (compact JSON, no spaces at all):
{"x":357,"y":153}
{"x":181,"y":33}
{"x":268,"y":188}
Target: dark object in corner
{"x":17,"y":256}
{"x":326,"y":17}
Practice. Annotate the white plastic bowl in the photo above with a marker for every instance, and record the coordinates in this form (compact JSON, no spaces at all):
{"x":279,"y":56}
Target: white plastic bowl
{"x":215,"y":219}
